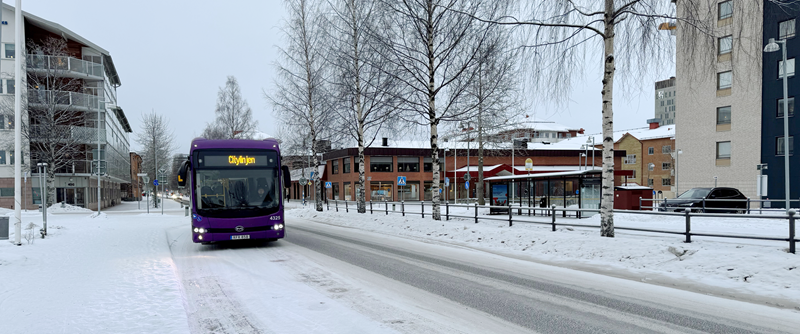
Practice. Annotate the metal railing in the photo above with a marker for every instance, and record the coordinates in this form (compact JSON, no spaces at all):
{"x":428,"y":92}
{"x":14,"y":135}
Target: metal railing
{"x":61,"y":63}
{"x":553,"y":210}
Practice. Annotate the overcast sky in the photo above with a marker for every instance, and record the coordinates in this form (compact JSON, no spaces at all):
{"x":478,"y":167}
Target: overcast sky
{"x":173,"y":55}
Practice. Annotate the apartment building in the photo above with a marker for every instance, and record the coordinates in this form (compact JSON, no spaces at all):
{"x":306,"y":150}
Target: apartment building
{"x":98,"y":129}
{"x":733,"y":119}
{"x":665,"y":101}
{"x":719,"y":131}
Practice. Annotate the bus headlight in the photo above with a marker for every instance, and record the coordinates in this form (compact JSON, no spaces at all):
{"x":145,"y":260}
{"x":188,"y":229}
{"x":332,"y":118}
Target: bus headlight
{"x":199,"y":230}
{"x":196,"y":230}
{"x":278,"y":226}
{"x":199,"y":237}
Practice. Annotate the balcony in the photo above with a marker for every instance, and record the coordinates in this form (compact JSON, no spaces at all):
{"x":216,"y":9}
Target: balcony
{"x":68,"y":67}
{"x":65,"y":100}
{"x":67,"y":134}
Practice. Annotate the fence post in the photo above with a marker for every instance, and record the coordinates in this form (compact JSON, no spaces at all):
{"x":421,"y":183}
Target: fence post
{"x":640,"y":202}
{"x":476,"y":212}
{"x":422,"y":204}
{"x":446,"y":210}
{"x":704,"y":205}
{"x":335,"y":204}
{"x":345,"y":207}
{"x":387,"y":206}
{"x":370,"y":206}
{"x":553,"y":211}
{"x":688,"y":225}
{"x":510,"y":213}
{"x":403,"y":207}
{"x":791,"y":230}
{"x":748,"y":205}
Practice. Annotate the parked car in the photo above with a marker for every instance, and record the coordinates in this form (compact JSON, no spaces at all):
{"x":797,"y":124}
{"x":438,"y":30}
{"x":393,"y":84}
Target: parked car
{"x":711,"y":200}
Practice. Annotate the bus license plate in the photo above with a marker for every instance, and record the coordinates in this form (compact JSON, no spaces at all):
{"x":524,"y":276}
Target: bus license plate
{"x":238,"y":237}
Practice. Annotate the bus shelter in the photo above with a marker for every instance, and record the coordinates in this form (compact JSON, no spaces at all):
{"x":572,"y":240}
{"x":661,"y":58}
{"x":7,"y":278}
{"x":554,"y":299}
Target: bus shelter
{"x":573,"y":189}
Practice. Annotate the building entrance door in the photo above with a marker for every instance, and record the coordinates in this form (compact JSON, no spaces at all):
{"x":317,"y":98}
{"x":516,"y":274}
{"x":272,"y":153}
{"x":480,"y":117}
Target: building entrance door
{"x":71,"y":196}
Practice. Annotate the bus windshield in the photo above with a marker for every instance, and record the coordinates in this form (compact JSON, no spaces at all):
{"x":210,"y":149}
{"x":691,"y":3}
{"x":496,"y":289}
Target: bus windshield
{"x":232,"y":184}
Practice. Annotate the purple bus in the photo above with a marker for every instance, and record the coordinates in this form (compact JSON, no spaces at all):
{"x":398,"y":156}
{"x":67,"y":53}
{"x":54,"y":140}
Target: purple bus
{"x":235,"y":189}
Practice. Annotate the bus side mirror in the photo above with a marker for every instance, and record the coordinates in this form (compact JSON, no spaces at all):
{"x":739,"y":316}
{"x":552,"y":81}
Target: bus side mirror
{"x":182,"y":174}
{"x":287,"y":178}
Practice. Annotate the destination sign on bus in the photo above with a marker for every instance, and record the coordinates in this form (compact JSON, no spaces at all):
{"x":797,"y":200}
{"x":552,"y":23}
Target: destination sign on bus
{"x":237,"y":160}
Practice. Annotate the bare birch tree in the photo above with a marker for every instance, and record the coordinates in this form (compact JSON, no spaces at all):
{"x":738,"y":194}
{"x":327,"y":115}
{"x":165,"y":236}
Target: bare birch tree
{"x":61,"y":112}
{"x":364,"y":91}
{"x":234,"y":118}
{"x":566,"y":35}
{"x":301,"y":98}
{"x":436,"y":53}
{"x":157,"y":142}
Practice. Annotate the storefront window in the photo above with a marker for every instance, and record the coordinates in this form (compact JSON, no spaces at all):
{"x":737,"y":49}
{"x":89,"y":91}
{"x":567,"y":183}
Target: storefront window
{"x":347,"y":192}
{"x":381,"y":191}
{"x":408,"y":164}
{"x":336,"y":190}
{"x":409,"y":192}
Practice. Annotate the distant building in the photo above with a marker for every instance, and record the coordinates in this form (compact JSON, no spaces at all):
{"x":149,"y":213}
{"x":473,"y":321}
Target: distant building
{"x":665,"y":101}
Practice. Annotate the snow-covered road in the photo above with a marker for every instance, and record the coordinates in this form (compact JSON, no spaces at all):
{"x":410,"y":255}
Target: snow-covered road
{"x":130,"y":272}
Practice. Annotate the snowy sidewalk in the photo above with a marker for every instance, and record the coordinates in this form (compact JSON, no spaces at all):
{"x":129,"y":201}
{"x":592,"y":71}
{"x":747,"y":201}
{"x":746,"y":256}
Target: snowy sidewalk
{"x":92,"y":275}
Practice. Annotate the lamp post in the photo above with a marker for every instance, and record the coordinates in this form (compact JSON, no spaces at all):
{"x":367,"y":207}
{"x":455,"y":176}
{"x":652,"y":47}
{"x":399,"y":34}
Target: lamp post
{"x":591,"y":140}
{"x":773,"y":46}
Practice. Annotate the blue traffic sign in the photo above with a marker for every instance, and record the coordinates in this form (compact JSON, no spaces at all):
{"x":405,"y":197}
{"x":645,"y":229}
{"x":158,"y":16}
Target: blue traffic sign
{"x":466,"y":185}
{"x":311,"y":176}
{"x":328,"y":185}
{"x":447,"y":182}
{"x":401,"y":180}
{"x":155,"y":182}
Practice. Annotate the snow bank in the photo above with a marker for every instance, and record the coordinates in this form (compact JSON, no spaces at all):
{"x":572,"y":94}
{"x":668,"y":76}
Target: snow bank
{"x":56,"y":208}
{"x":761,"y":270}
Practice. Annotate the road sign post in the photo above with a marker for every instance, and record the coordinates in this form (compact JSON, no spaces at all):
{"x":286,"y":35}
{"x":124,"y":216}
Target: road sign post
{"x":401,"y":181}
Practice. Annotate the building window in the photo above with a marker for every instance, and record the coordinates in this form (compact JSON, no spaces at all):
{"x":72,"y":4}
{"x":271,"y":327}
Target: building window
{"x":335,"y":187}
{"x":666,"y":149}
{"x":6,"y":192}
{"x":786,"y":29}
{"x":724,"y":115}
{"x":789,"y":68}
{"x":380,"y":164}
{"x":779,"y":149}
{"x":346,"y":165}
{"x":408,"y":164}
{"x":666,"y":182}
{"x":3,"y":121}
{"x":724,"y":80}
{"x":2,"y":157}
{"x":725,"y":9}
{"x":724,"y":150}
{"x":335,"y":167}
{"x":634,"y":173}
{"x":630,"y":159}
{"x":650,"y":150}
{"x":666,"y":165}
{"x":725,"y":45}
{"x":10,"y":121}
{"x":347,"y":192}
{"x":650,"y":183}
{"x":380,"y":191}
{"x":10,"y":86}
{"x":9,"y":50}
{"x":791,"y":107}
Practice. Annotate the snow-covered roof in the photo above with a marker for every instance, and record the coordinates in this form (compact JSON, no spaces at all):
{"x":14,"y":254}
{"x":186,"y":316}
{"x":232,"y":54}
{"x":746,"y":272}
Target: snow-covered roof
{"x":514,"y":177}
{"x":575,"y":143}
{"x":258,"y":135}
{"x":475,"y":168}
{"x":555,"y":168}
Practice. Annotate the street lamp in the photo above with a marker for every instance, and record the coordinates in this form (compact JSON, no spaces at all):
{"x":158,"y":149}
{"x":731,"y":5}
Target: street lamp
{"x":773,"y":46}
{"x":447,"y":189}
{"x":591,"y":140}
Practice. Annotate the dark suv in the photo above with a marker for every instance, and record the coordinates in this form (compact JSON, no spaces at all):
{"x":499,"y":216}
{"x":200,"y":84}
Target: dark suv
{"x":711,"y":200}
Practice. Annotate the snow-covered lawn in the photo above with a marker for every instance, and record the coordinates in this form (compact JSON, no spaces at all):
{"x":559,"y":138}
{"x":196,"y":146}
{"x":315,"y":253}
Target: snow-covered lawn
{"x":761,"y":271}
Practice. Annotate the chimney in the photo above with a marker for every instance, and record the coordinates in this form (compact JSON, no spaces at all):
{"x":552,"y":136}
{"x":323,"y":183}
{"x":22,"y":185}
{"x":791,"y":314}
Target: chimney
{"x":385,"y":142}
{"x":653,"y":123}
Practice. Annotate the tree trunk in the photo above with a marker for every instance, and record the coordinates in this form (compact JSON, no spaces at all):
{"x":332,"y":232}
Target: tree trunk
{"x":51,"y":186}
{"x":360,"y":191}
{"x":607,"y":201}
{"x":433,"y":120}
{"x":437,"y":215}
{"x":480,"y":187}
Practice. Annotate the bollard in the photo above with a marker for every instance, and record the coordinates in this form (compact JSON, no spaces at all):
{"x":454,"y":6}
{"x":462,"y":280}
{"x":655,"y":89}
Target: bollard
{"x":640,"y":202}
{"x":476,"y":213}
{"x":345,"y":207}
{"x":748,"y":205}
{"x":387,"y":207}
{"x":370,"y":207}
{"x":186,"y":211}
{"x":423,"y":208}
{"x":510,"y":213}
{"x":688,"y":226}
{"x":446,"y":210}
{"x":704,"y":205}
{"x":791,"y":230}
{"x":328,"y":205}
{"x":403,"y":207}
{"x":553,"y":214}
{"x":335,"y":204}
